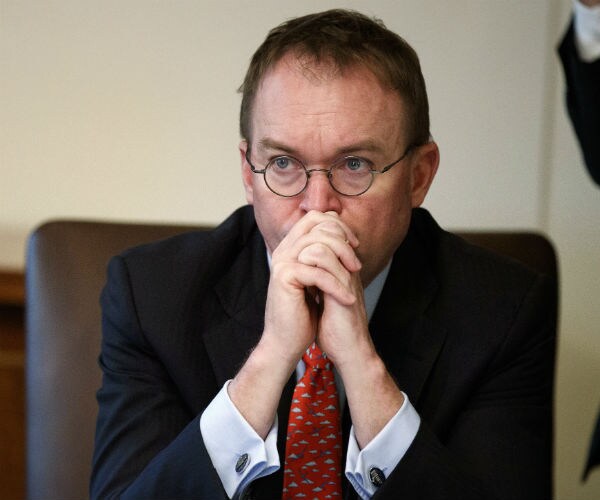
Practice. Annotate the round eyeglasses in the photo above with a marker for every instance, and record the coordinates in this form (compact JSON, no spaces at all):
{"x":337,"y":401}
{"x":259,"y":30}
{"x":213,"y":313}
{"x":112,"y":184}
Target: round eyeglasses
{"x":349,"y":176}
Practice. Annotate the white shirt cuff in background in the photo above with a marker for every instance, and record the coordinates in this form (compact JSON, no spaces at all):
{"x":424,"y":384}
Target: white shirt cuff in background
{"x":587,"y":31}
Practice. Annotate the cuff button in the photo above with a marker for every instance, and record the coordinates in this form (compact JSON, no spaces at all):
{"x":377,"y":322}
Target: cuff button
{"x":242,"y":463}
{"x":376,"y":476}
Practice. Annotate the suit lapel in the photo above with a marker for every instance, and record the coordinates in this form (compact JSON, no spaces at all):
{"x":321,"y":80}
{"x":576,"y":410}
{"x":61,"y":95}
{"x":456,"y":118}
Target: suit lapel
{"x":407,"y":339}
{"x":241,"y":296}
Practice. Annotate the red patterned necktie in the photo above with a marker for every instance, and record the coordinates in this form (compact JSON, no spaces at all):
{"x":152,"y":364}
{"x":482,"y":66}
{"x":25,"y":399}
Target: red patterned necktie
{"x":313,"y":452}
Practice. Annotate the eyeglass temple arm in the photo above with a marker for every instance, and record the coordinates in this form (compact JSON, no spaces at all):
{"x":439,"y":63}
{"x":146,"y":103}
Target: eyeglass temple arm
{"x":385,"y":169}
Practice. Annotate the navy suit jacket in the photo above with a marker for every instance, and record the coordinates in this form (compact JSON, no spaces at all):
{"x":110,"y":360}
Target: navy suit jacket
{"x":583,"y":101}
{"x":469,"y":336}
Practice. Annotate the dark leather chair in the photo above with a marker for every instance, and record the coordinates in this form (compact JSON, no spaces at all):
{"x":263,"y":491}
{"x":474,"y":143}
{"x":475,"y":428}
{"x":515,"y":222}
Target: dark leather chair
{"x":66,"y":264}
{"x":65,"y":271}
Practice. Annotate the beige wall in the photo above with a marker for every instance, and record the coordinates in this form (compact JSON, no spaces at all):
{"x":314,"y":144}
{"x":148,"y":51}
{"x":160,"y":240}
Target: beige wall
{"x":127,"y":110}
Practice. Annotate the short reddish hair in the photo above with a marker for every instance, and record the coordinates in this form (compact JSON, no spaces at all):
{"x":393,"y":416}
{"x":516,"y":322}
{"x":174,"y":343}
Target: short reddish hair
{"x":344,"y":39}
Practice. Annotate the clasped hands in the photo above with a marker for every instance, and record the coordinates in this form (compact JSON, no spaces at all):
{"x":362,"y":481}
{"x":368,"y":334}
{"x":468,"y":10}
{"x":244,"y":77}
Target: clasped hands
{"x":315,"y":292}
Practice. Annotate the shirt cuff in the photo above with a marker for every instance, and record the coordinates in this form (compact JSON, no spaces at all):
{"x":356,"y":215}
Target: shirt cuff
{"x":366,"y":469}
{"x":587,"y":31}
{"x":238,"y":453}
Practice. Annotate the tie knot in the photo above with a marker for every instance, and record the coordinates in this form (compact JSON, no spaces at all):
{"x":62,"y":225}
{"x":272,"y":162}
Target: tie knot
{"x":315,"y":358}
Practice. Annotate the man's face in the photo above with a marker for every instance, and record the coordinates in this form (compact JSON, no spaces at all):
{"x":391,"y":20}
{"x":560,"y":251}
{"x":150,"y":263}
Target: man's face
{"x":319,"y":119}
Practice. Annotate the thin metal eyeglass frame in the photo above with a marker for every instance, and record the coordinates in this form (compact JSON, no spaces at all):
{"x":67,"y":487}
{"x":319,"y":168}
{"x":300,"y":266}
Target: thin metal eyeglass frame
{"x":307,"y":171}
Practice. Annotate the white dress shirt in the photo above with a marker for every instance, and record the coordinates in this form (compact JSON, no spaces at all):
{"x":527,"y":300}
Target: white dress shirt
{"x":227,"y":436}
{"x":587,"y":31}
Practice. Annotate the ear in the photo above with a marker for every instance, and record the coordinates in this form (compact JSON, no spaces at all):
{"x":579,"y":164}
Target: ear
{"x":424,"y":168}
{"x":247,"y":176}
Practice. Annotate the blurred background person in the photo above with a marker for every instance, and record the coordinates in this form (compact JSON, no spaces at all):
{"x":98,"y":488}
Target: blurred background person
{"x":580,"y":55}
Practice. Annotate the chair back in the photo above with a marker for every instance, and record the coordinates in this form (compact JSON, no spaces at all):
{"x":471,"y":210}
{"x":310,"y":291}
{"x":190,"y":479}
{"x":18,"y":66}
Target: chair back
{"x":530,"y":248}
{"x":65,"y":271}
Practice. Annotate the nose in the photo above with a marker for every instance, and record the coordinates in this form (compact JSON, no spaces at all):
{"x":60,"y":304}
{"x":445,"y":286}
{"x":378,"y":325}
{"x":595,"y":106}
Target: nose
{"x":319,"y":195}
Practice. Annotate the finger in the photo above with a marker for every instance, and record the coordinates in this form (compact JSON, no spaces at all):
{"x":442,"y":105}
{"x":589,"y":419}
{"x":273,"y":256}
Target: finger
{"x":322,"y":258}
{"x":305,"y":276}
{"x":312,"y":219}
{"x":335,"y":224}
{"x":319,"y":245}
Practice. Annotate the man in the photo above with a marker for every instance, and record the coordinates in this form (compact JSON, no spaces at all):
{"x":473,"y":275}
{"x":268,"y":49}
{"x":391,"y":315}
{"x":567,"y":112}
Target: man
{"x":580,"y":56}
{"x":443,"y":353}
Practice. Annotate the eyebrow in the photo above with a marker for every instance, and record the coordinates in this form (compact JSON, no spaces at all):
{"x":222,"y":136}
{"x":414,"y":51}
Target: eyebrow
{"x":267,"y":143}
{"x":367,"y":145}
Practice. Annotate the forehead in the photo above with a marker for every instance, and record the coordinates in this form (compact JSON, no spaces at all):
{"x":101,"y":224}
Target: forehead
{"x":318,"y":101}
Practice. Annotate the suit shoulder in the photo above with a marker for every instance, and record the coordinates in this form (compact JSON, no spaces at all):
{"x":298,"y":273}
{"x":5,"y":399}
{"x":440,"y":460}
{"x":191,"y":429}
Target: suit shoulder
{"x":179,"y":257}
{"x":472,"y":269}
{"x":482,"y":295}
{"x":477,"y":252}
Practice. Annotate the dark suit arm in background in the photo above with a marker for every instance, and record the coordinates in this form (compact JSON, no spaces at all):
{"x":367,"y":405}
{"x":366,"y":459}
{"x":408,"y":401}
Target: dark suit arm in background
{"x":148,"y":441}
{"x":500,"y":444}
{"x":583,"y":101}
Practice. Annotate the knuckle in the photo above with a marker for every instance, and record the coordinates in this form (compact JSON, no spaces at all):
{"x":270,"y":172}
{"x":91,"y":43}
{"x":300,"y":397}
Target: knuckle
{"x":315,"y":252}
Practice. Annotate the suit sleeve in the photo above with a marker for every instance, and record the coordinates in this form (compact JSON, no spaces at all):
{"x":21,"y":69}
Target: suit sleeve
{"x":500,"y":444}
{"x":583,"y":101}
{"x":148,"y":443}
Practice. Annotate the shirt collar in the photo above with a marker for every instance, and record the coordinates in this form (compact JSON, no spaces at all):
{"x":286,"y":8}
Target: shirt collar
{"x":373,"y":291}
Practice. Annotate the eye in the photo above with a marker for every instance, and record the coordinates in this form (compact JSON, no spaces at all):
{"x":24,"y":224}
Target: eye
{"x":281,"y":162}
{"x":356,"y":164}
